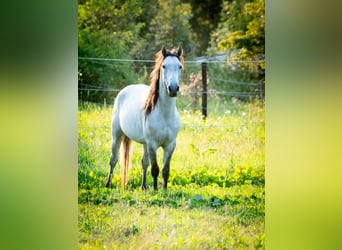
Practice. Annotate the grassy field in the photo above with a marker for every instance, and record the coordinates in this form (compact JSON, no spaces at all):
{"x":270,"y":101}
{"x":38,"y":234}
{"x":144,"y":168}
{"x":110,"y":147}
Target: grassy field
{"x":215,"y":197}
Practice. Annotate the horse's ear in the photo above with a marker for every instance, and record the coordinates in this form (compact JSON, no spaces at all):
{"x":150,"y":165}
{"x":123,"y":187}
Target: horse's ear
{"x":180,"y":51}
{"x":164,"y":52}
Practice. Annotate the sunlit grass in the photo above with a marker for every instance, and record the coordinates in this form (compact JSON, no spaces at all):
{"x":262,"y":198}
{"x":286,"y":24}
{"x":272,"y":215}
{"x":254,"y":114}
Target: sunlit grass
{"x":216,"y":187}
{"x":139,"y":227}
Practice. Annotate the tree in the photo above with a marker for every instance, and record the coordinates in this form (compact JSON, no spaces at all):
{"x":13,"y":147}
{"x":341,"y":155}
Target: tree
{"x":165,"y":23}
{"x":106,"y":29}
{"x":241,"y":34}
{"x":241,"y":29}
{"x":171,"y":27}
{"x":203,"y":21}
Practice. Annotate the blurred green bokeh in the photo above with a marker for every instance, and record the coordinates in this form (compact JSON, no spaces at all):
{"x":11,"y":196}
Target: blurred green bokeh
{"x":38,"y":138}
{"x":303,"y":126}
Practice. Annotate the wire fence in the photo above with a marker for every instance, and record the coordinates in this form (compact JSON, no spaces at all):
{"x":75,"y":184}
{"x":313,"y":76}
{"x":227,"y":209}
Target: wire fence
{"x":186,"y":61}
{"x":213,"y":92}
{"x":228,"y":82}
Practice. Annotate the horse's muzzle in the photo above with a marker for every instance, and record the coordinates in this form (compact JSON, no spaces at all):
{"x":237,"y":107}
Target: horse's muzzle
{"x":173,"y":90}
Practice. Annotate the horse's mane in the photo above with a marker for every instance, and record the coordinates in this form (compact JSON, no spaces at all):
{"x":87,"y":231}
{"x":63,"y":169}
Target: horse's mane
{"x":153,"y":94}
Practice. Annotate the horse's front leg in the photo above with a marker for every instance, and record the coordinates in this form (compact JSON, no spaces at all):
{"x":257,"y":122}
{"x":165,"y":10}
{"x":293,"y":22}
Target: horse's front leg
{"x":152,"y":155}
{"x":168,"y":151}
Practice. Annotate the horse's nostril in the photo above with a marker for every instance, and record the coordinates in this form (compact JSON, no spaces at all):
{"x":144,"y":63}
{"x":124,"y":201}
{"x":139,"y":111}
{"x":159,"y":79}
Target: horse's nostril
{"x":169,"y":88}
{"x":177,"y":88}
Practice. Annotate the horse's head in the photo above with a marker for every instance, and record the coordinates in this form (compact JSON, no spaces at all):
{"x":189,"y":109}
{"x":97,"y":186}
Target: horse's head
{"x":170,"y":71}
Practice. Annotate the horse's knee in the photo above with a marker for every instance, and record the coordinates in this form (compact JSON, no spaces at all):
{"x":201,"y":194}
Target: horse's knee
{"x":166,"y":173}
{"x":144,"y":163}
{"x":155,"y":171}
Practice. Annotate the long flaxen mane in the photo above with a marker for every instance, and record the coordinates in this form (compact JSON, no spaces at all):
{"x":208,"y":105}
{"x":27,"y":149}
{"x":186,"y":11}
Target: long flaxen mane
{"x":153,"y":94}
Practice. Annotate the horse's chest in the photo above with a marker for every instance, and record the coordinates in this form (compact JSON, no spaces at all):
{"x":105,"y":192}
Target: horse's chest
{"x":163,"y":132}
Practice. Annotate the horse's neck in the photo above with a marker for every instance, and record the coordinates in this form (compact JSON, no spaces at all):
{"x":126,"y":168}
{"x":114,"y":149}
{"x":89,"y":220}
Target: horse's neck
{"x":166,"y":103}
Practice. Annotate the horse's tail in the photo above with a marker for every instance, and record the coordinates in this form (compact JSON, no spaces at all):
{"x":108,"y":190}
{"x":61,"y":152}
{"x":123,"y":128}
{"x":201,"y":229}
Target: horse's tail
{"x":125,"y":159}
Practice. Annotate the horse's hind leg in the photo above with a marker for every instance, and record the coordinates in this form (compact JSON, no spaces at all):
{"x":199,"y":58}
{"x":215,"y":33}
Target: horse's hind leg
{"x":144,"y":162}
{"x":117,"y":138}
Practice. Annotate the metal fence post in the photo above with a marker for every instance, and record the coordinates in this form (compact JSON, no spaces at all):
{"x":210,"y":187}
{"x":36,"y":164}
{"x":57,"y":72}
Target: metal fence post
{"x":204,"y":93}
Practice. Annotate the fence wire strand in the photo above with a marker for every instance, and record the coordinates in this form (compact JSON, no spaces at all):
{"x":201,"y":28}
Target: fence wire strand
{"x":194,"y":126}
{"x":233,"y":81}
{"x":152,"y":61}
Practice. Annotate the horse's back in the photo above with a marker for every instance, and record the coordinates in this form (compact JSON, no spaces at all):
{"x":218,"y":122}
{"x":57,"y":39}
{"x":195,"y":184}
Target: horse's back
{"x":128,"y":111}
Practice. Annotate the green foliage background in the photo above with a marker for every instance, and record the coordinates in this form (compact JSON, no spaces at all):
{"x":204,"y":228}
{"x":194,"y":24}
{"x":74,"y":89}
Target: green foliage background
{"x":137,"y":29}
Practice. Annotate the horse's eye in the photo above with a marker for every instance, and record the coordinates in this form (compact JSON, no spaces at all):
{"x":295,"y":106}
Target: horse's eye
{"x":163,"y":66}
{"x":180,"y":67}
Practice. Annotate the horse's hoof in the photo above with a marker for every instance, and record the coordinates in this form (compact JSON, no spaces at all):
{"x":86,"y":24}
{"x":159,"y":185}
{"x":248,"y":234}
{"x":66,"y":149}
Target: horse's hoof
{"x":109,"y":181}
{"x":143,"y":188}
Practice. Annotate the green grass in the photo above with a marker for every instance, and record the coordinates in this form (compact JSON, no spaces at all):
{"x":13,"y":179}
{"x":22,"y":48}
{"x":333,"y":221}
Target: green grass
{"x":215,"y":197}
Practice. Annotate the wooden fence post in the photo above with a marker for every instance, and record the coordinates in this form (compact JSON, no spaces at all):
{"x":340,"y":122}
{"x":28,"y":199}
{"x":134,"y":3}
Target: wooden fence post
{"x":260,"y":90}
{"x":204,"y":93}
